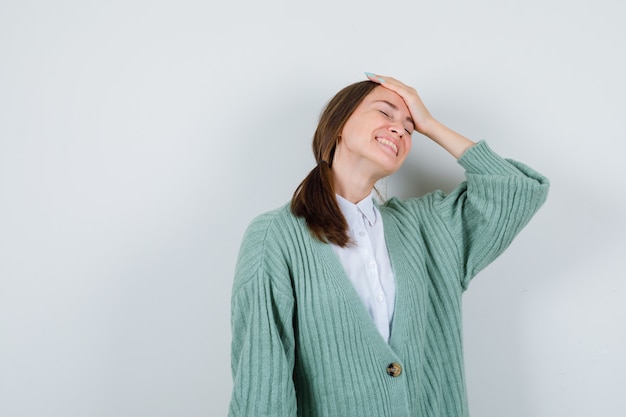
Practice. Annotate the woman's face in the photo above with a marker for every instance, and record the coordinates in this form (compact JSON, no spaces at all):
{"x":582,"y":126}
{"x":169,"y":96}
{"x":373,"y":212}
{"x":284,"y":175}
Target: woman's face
{"x":377,"y":136}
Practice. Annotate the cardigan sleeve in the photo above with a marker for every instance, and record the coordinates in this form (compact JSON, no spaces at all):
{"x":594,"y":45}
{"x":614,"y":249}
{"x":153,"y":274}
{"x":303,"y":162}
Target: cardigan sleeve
{"x":262,"y":349}
{"x":485,"y":212}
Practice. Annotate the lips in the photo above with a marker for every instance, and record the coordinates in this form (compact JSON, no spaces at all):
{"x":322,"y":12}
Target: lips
{"x":388,"y":143}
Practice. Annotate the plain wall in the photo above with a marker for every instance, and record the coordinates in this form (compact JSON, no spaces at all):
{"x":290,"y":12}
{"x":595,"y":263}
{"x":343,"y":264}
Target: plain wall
{"x":139,"y":138}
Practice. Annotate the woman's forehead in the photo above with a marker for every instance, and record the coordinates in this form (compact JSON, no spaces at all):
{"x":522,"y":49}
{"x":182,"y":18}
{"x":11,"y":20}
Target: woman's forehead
{"x":383,"y":94}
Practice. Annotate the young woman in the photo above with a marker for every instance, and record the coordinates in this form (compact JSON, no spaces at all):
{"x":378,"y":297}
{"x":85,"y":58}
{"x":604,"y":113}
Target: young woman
{"x":343,"y":307}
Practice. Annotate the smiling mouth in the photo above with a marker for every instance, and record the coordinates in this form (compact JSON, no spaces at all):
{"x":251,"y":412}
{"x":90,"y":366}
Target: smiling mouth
{"x":389,"y":144}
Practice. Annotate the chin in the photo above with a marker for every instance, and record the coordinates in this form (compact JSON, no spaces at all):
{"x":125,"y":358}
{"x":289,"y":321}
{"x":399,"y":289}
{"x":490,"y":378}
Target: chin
{"x":388,"y":164}
{"x":391,"y":167}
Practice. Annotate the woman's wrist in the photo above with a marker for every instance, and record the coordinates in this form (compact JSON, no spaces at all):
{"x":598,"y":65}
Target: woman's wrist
{"x":453,"y":142}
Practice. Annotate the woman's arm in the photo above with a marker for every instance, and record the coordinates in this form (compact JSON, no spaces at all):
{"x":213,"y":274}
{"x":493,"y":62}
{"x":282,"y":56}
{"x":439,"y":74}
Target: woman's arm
{"x":498,"y":198}
{"x":262,"y":307}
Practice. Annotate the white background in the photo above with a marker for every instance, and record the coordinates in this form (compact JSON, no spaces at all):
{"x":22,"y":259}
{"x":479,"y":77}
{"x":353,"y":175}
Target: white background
{"x":139,"y":138}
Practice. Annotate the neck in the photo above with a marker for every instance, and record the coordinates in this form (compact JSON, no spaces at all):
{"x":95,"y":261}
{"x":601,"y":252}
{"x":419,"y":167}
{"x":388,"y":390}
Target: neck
{"x":350,"y":185}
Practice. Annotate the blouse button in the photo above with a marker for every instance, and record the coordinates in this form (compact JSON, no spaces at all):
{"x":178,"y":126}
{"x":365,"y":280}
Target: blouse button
{"x":394,"y":369}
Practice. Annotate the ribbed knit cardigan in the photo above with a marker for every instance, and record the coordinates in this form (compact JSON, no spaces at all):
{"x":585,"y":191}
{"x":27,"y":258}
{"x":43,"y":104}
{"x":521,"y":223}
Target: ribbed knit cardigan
{"x":303,"y":344}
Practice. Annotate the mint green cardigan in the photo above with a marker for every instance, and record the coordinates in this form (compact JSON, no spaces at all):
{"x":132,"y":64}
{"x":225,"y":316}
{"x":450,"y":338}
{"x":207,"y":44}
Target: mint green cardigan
{"x":303,"y":343}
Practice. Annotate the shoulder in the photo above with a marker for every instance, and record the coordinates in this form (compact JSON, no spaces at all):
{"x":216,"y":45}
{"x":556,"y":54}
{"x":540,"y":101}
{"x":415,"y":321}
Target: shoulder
{"x":409,"y":215}
{"x":266,"y":225}
{"x":411,"y":207}
{"x":265,"y":245}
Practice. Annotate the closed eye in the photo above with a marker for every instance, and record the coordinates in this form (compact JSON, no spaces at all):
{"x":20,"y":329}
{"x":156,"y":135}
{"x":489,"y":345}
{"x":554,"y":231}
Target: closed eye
{"x":387,"y":115}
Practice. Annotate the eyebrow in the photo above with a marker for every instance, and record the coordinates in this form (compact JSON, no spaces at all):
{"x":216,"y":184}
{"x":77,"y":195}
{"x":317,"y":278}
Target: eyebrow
{"x":394,"y":107}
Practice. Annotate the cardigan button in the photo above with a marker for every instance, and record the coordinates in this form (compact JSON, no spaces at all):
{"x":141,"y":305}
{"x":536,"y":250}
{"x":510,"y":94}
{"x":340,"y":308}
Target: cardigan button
{"x":394,"y":369}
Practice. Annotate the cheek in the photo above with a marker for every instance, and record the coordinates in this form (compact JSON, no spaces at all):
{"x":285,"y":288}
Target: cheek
{"x":408,"y":143}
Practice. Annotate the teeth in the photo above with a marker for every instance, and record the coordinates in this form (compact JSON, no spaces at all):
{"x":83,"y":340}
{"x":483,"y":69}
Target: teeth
{"x":388,"y":143}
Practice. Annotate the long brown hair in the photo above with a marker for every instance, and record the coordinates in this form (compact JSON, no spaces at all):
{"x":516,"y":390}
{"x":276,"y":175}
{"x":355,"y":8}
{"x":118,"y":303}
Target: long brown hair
{"x":314,"y":199}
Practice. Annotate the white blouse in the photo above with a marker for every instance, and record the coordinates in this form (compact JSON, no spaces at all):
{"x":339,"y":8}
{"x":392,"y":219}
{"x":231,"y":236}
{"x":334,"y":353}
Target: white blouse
{"x":366,"y":261}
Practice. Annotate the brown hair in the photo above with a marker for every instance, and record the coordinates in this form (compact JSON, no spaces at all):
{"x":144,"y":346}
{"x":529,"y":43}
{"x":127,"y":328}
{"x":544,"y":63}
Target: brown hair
{"x":314,"y":199}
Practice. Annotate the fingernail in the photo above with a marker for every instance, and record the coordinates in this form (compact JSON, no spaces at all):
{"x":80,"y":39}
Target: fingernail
{"x":369,"y":74}
{"x":381,"y":80}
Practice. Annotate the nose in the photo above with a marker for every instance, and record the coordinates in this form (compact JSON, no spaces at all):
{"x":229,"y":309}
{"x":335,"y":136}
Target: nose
{"x":397,"y":130}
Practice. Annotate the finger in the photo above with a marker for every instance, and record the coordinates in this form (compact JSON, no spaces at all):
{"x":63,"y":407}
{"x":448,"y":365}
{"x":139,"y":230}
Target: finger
{"x":392,"y":84}
{"x":385,"y":81}
{"x":375,"y":77}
